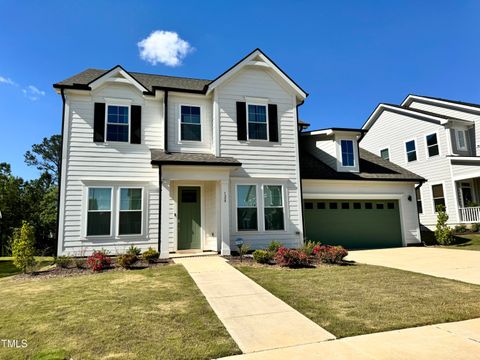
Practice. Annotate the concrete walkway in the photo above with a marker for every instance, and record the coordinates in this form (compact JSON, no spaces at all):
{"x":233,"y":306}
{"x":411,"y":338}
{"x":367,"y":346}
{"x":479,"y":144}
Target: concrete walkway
{"x":256,"y":319}
{"x":460,"y":340}
{"x":462,"y":265}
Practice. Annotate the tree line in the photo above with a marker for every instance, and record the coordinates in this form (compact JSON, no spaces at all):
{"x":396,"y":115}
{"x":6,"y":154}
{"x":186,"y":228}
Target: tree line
{"x":34,"y":201}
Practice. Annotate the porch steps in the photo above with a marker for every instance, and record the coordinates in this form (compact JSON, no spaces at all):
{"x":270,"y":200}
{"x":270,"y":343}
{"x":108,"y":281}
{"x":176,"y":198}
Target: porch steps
{"x":191,"y":253}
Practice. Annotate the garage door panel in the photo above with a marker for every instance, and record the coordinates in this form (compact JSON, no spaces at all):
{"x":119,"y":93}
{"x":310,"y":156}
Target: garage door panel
{"x":354,"y":224}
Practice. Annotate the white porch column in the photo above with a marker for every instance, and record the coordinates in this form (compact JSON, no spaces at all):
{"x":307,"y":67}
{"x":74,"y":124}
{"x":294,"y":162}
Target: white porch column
{"x":164,"y":220}
{"x":225,"y":216}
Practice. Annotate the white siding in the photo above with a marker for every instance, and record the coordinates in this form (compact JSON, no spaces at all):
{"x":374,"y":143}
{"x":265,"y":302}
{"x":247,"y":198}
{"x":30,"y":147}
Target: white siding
{"x":119,"y":164}
{"x":174,"y":142}
{"x":324,"y":150}
{"x":262,"y":161}
{"x":368,"y":190}
{"x":392,"y":130}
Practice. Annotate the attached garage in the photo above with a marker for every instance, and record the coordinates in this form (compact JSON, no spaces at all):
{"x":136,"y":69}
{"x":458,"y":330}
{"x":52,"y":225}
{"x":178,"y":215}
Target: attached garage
{"x":354,"y":224}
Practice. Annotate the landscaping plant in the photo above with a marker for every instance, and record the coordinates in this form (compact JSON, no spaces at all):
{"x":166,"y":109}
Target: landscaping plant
{"x":127,"y":260}
{"x":291,"y":257}
{"x":460,"y":229}
{"x":308,"y":247}
{"x":63,"y":261}
{"x":133,"y":250}
{"x":443,"y":233}
{"x":274,"y":246}
{"x":475,"y":227}
{"x":151,"y":255}
{"x":243,"y":250}
{"x":330,"y":254}
{"x":98,"y":261}
{"x":23,"y":247}
{"x":263,"y":256}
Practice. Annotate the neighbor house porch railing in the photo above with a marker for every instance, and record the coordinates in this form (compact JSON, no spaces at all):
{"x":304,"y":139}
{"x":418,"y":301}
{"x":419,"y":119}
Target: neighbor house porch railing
{"x":470,"y":214}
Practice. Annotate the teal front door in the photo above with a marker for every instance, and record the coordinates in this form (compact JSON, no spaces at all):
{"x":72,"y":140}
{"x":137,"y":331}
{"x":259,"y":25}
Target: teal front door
{"x":189,"y":218}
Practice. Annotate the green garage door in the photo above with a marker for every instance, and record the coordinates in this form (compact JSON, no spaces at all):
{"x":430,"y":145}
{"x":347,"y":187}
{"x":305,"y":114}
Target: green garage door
{"x":354,"y":224}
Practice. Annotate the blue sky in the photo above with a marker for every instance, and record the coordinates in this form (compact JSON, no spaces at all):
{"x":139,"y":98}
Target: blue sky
{"x":349,"y":55}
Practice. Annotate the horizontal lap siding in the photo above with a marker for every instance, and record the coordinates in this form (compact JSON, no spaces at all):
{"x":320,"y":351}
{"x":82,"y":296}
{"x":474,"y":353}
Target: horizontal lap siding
{"x":118,"y":164}
{"x":392,"y":130}
{"x":262,"y":160}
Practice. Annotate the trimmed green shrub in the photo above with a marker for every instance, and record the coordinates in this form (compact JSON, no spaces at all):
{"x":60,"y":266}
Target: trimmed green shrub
{"x":23,"y":247}
{"x":330,"y":254}
{"x":460,"y":229}
{"x":475,"y":227}
{"x":274,"y":246}
{"x":127,"y":260}
{"x":443,"y":233}
{"x":263,"y":256}
{"x":133,"y":250}
{"x":151,"y":255}
{"x":308,"y":247}
{"x":63,"y":261}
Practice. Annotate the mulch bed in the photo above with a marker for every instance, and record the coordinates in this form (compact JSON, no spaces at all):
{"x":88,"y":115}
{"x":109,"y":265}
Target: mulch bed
{"x":57,"y":271}
{"x":249,"y":261}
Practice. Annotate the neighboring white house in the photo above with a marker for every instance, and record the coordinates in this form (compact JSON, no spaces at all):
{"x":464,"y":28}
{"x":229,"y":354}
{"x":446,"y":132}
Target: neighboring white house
{"x":437,"y":139}
{"x":185,"y":164}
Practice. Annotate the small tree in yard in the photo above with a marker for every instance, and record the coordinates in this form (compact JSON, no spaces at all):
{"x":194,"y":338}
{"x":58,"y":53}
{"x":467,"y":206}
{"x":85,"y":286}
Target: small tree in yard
{"x":23,"y":247}
{"x":443,"y":233}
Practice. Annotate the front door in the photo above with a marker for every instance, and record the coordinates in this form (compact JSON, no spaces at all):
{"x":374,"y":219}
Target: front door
{"x":189,"y":218}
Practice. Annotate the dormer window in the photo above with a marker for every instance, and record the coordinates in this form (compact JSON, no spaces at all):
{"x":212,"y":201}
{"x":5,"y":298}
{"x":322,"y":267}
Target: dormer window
{"x":461,"y":139}
{"x":117,"y":123}
{"x":348,"y":156}
{"x":257,"y":122}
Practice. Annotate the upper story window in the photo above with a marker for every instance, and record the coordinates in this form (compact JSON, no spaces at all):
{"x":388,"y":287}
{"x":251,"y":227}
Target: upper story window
{"x":385,"y":154}
{"x":432,"y":145}
{"x":257,"y":122}
{"x":348,"y":156}
{"x":117,"y":123}
{"x":438,"y":196}
{"x":247,"y":218}
{"x":461,"y":139}
{"x":411,"y":150}
{"x":190,"y":123}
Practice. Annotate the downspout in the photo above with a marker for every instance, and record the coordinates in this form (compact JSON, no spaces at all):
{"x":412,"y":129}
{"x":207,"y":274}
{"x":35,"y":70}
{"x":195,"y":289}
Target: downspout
{"x":62,"y":93}
{"x":418,"y":214}
{"x":165,"y":119}
{"x":160,"y":208}
{"x":300,"y":176}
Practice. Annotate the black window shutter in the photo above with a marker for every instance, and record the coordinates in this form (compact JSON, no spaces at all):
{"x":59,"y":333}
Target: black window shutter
{"x":272,"y":122}
{"x":136,"y":126}
{"x":241,"y":120}
{"x":99,"y":122}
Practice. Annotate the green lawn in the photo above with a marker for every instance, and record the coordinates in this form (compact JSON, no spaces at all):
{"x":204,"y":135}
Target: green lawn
{"x":467,"y":242}
{"x":154,"y":313}
{"x":8,"y":269}
{"x":362,"y":299}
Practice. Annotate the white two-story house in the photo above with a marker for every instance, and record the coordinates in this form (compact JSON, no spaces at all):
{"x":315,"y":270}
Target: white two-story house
{"x":437,"y":139}
{"x":188,"y":164}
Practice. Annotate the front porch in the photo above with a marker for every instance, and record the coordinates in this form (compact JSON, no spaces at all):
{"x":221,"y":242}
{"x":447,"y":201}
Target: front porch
{"x":468,"y":198}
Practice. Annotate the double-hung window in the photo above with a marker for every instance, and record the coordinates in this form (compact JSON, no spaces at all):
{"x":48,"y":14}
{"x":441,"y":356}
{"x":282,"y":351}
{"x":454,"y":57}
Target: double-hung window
{"x":130,"y":214}
{"x":257,"y":122}
{"x":117,"y":123}
{"x":348,"y":156}
{"x":385,"y":154}
{"x":461,"y":139}
{"x":432,"y":145}
{"x":273,"y":207}
{"x":438,"y":196}
{"x":99,"y":216}
{"x":411,"y":150}
{"x":247,"y":219}
{"x":190,"y":123}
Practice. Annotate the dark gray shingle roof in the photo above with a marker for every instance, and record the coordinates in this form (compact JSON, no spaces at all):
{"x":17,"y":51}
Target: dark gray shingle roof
{"x":372,"y":167}
{"x":160,"y":157}
{"x":149,"y":81}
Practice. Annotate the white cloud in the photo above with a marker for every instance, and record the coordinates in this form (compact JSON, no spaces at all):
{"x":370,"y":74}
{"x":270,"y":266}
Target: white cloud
{"x":8,"y":81}
{"x":32,"y":92}
{"x":164,"y":47}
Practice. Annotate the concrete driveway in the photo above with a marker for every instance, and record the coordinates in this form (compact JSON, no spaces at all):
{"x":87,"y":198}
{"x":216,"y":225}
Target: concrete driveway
{"x":462,"y":265}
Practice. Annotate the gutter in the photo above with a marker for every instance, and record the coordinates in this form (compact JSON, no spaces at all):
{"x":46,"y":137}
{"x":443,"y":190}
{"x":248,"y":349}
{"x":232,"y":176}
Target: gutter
{"x":62,"y":93}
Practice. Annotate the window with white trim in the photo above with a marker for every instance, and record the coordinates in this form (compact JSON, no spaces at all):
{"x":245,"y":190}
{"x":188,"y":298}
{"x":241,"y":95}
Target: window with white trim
{"x":273,"y":207}
{"x":99,"y":213}
{"x":461,"y":139}
{"x":247,"y":212}
{"x":418,"y":196}
{"x":411,"y":150}
{"x":385,"y":154}
{"x":438,"y":196}
{"x":432,"y":145}
{"x":257,"y":122}
{"x":190,"y":123}
{"x":130,"y":213}
{"x":348,"y":155}
{"x":118,"y":123}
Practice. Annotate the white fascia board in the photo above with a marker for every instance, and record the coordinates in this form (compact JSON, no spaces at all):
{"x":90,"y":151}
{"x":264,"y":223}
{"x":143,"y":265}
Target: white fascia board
{"x":128,"y":79}
{"x":410,"y":98}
